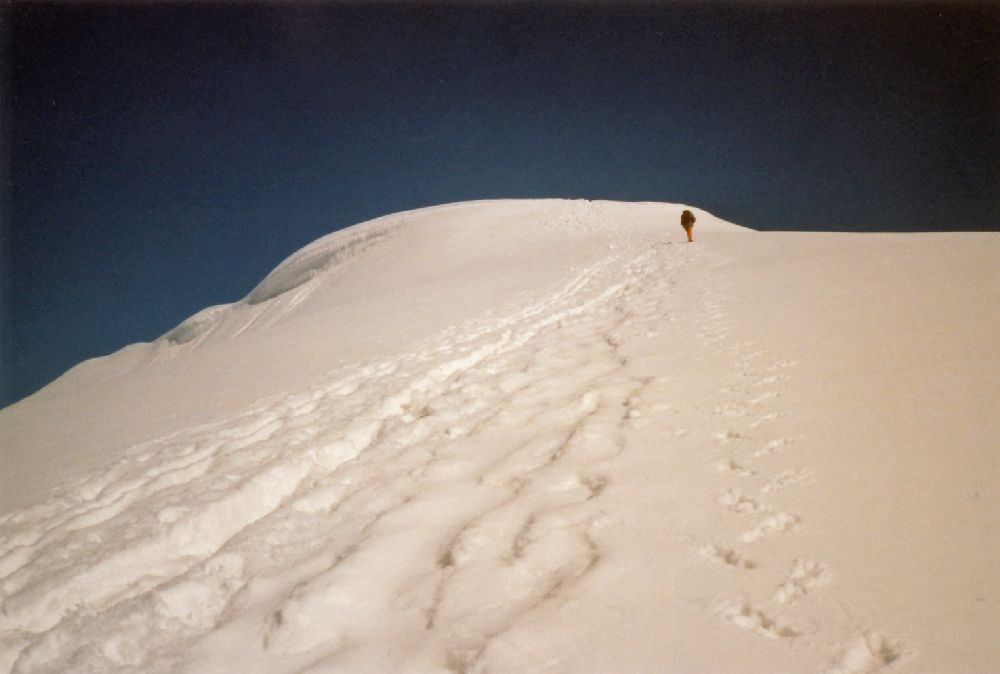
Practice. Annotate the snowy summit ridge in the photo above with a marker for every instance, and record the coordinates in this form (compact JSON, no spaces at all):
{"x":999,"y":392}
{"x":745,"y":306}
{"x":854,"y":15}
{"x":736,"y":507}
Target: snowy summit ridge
{"x":336,"y":248}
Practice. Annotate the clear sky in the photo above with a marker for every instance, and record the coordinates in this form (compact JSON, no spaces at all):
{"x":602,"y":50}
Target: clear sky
{"x":161,"y":158}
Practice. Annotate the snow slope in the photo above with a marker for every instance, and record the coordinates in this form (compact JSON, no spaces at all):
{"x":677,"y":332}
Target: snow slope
{"x":529,"y":436}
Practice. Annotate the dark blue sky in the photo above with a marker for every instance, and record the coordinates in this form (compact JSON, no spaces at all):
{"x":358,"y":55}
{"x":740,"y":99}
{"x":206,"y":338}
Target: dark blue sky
{"x":162,"y":158}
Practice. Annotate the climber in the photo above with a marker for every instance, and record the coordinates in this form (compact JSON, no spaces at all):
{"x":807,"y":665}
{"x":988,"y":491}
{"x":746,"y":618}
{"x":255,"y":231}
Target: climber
{"x":687,"y":222}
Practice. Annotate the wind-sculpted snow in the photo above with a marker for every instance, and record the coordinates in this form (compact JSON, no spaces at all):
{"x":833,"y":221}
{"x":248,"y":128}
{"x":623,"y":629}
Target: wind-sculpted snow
{"x":317,"y":257}
{"x":197,"y":325}
{"x":298,"y":269}
{"x":325,"y":487}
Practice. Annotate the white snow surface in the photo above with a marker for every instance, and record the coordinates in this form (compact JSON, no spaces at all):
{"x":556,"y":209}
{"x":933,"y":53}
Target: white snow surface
{"x":529,"y":436}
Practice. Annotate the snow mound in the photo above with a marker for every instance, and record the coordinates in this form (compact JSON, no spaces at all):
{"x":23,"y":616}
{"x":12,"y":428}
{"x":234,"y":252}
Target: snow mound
{"x":197,"y":325}
{"x":533,"y":436}
{"x":295,"y":271}
{"x":319,"y":256}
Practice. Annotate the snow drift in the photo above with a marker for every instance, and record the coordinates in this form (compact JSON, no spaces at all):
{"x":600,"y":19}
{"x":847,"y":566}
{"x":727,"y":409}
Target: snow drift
{"x":520,"y":436}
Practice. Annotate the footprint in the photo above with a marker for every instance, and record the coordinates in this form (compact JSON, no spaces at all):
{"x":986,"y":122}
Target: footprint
{"x":728,"y":436}
{"x":784,"y":479}
{"x":769,"y":379}
{"x":633,"y":417}
{"x":765,"y":419}
{"x":595,"y":484}
{"x":736,"y":502}
{"x":867,"y":653}
{"x":729,"y":557}
{"x":764,"y":396}
{"x":733,"y":466}
{"x":746,"y":616}
{"x":770,"y":446}
{"x":770,"y":525}
{"x":804,"y":576}
{"x":592,"y":484}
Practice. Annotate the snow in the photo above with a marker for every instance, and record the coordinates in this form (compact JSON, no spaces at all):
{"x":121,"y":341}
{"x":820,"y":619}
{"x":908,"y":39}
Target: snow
{"x":528,"y":436}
